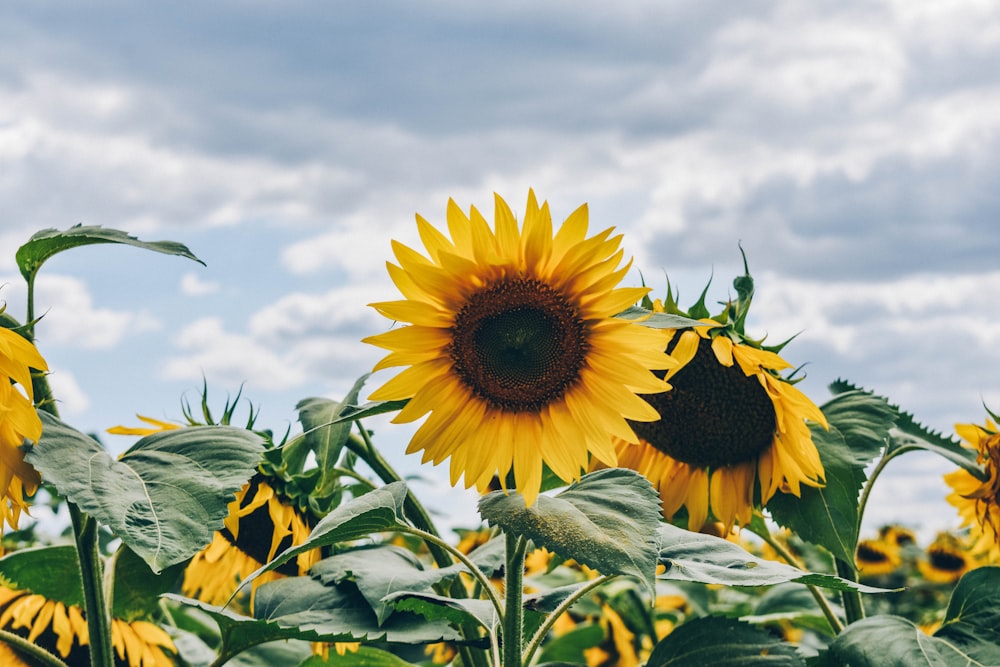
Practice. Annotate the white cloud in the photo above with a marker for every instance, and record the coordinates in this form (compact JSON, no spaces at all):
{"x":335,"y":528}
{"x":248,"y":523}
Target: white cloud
{"x":73,"y":401}
{"x":192,"y":285}
{"x":69,"y":315}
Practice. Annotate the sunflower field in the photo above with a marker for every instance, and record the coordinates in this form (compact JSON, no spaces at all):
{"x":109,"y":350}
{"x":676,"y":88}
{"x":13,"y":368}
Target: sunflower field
{"x":654,"y":490}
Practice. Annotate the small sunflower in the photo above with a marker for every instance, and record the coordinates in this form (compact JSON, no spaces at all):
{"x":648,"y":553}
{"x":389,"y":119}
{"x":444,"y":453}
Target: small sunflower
{"x":978,"y":501}
{"x":19,"y":423}
{"x":513,"y":348}
{"x":901,"y":536}
{"x":62,"y":630}
{"x":876,"y":558}
{"x":946,"y":560}
{"x":732,"y":428}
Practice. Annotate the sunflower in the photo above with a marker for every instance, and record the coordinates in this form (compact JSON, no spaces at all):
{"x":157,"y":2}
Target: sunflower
{"x":19,"y":423}
{"x":513,"y":348}
{"x":732,"y":428}
{"x":62,"y":630}
{"x":876,"y":558}
{"x":978,"y":501}
{"x":946,"y":561}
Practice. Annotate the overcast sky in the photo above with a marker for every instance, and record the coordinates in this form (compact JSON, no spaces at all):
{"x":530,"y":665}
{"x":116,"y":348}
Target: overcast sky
{"x":852,"y":148}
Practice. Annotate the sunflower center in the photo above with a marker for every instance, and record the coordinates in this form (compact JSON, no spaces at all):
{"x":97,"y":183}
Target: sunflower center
{"x":714,"y":416}
{"x":945,"y":560}
{"x":871,"y":555}
{"x":519,"y":344}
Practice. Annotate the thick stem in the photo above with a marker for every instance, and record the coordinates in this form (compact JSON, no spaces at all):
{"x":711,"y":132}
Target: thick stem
{"x":98,"y":615}
{"x":513,"y":618}
{"x":37,"y":654}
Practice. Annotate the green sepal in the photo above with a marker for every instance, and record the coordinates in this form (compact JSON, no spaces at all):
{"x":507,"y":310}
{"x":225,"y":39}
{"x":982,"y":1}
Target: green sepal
{"x":48,"y":242}
{"x":658,"y":320}
{"x":369,"y":409}
{"x":163,"y":497}
{"x":606,"y":521}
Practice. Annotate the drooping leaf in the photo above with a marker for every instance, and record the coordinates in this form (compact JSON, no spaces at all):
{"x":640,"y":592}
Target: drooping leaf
{"x":723,"y":642}
{"x":606,"y":521}
{"x":48,"y":242}
{"x":377,"y":511}
{"x":689,"y":556}
{"x":165,"y":496}
{"x":828,"y":516}
{"x":137,"y":588}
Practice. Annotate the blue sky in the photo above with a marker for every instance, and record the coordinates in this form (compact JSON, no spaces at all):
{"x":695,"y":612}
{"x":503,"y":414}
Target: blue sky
{"x":850,"y":147}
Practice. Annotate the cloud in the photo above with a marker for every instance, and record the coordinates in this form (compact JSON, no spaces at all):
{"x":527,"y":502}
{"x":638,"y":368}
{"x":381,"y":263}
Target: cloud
{"x":69,"y":316}
{"x":73,"y":400}
{"x":192,"y":285}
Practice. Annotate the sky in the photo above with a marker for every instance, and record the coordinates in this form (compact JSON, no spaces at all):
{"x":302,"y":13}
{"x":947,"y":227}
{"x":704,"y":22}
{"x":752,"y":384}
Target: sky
{"x":851,"y":149}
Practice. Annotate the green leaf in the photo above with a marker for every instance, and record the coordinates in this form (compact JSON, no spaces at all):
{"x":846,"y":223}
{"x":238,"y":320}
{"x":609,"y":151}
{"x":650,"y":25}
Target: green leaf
{"x":377,"y":511}
{"x":723,"y":642}
{"x":364,"y":656}
{"x":378,"y":570}
{"x":326,"y":436}
{"x":355,"y":412}
{"x":973,"y":617}
{"x":137,"y":588}
{"x":828,"y":516}
{"x":689,"y":556}
{"x":165,"y":496}
{"x":648,"y":318}
{"x":48,"y":242}
{"x":51,"y":571}
{"x":911,"y":435}
{"x":440,"y":608}
{"x":606,"y":521}
{"x":891,"y":641}
{"x":569,"y":648}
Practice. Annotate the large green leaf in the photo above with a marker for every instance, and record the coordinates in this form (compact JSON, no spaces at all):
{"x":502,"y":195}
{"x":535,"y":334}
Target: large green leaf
{"x":377,"y":511}
{"x":973,"y":617}
{"x":689,"y":556}
{"x":364,"y":656}
{"x":164,"y":496}
{"x":607,"y":521}
{"x":723,"y":642}
{"x":137,"y":588}
{"x":828,"y":516}
{"x":892,"y":641}
{"x":456,"y":611}
{"x":48,"y":242}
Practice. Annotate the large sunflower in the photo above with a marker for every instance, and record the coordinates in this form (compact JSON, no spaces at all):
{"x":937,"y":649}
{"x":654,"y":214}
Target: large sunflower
{"x":513,"y":348}
{"x":19,"y":423}
{"x":732,"y":429}
{"x":978,"y":501}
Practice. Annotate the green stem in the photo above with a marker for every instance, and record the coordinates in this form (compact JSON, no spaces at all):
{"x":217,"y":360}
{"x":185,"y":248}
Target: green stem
{"x":98,"y":616}
{"x":821,"y":600}
{"x":876,"y":471}
{"x":550,"y":620}
{"x":36,"y":653}
{"x":513,"y":618}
